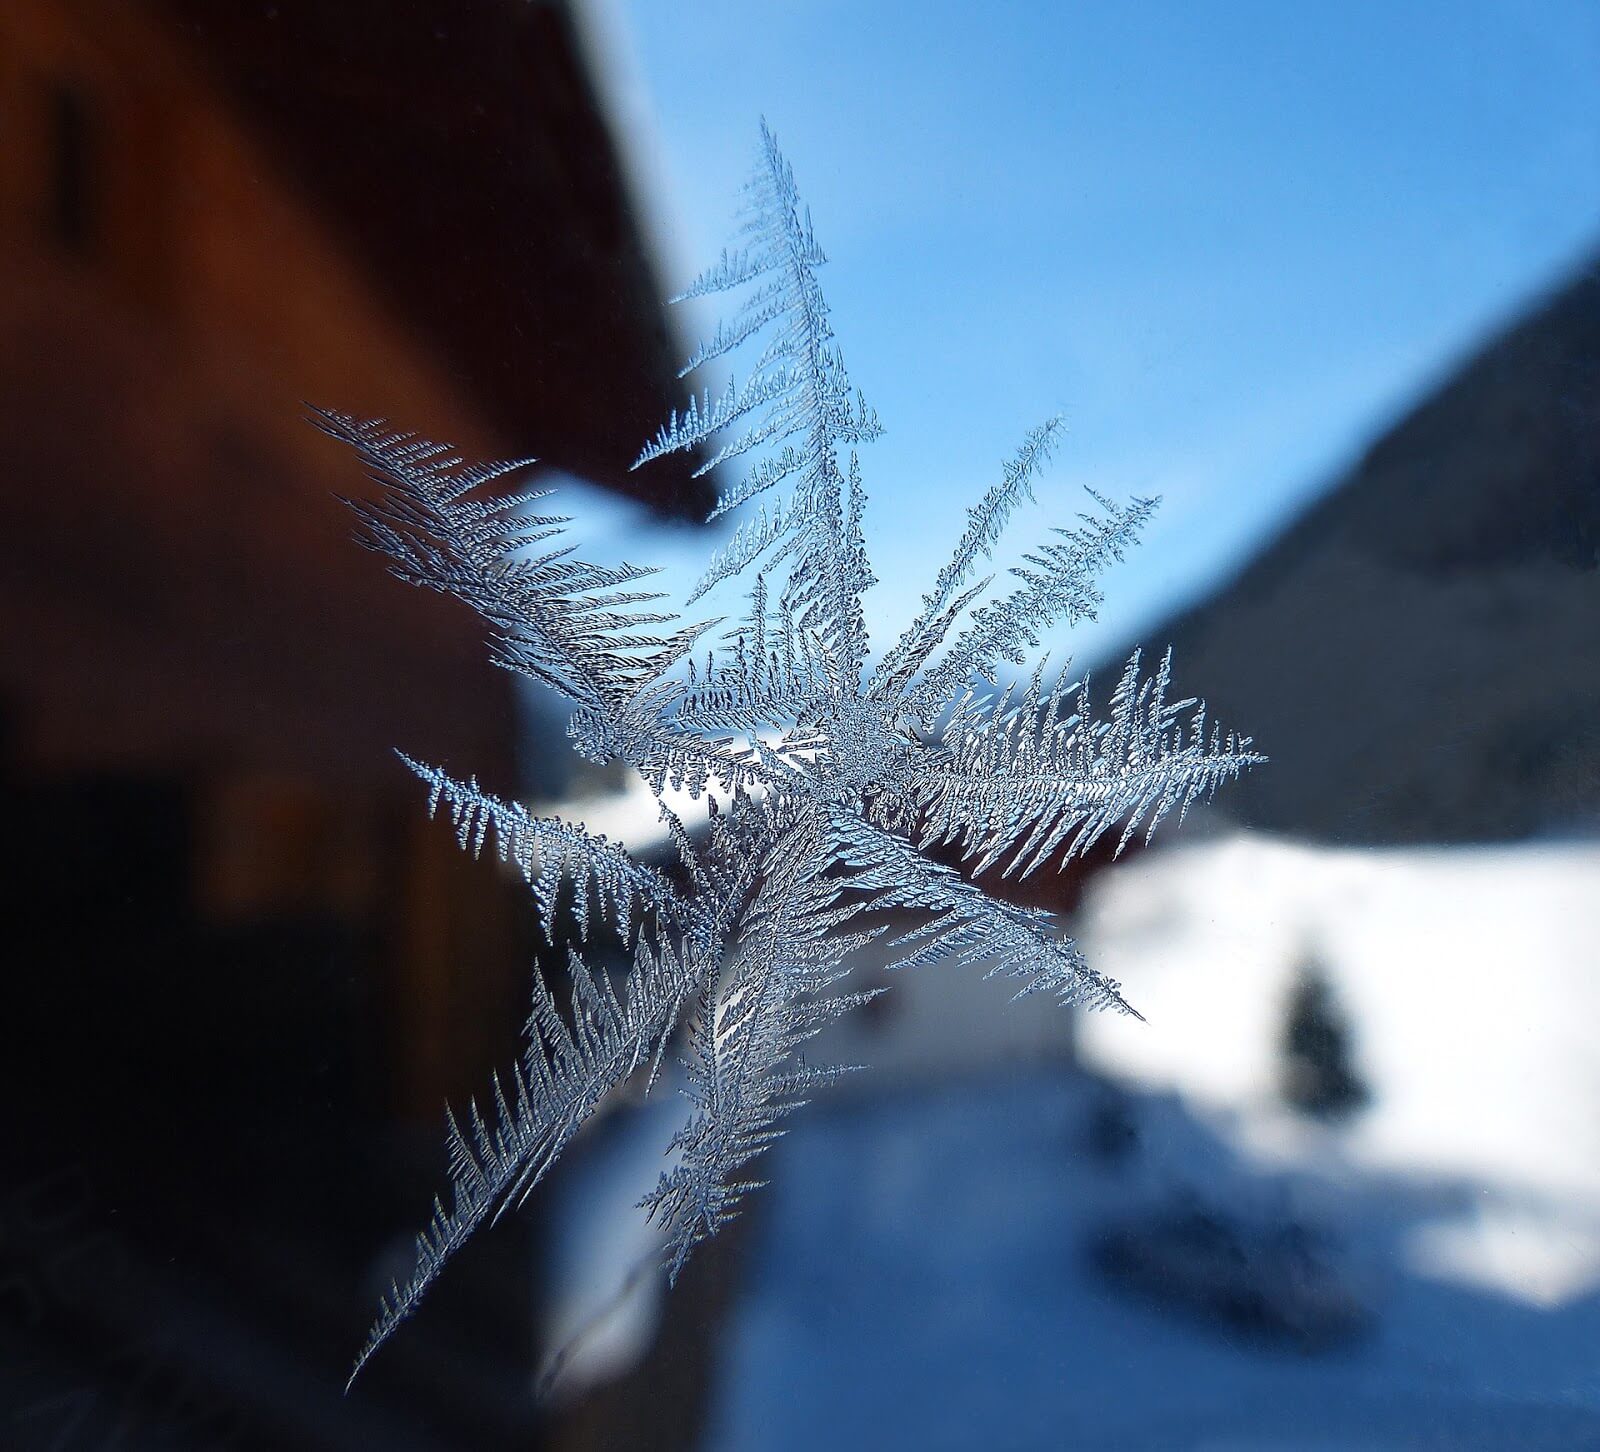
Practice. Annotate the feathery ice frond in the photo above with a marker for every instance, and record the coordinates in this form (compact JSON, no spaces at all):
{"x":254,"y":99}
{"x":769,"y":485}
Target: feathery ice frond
{"x":825,"y":786}
{"x":744,"y":1067}
{"x":798,"y":406}
{"x":1059,"y":583}
{"x":1027,"y":778}
{"x":986,"y":521}
{"x":962,"y":924}
{"x":573,"y":626}
{"x":563,"y":1074}
{"x":603,"y":879}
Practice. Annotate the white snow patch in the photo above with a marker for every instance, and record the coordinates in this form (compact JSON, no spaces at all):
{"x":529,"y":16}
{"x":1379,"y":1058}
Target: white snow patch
{"x":1471,"y":979}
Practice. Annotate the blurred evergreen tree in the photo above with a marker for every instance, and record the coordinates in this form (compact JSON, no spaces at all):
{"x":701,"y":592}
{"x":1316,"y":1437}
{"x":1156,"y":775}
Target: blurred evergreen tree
{"x":1318,"y":1077}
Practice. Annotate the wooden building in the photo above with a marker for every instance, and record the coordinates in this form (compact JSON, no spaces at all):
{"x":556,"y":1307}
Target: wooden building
{"x":241,"y":954}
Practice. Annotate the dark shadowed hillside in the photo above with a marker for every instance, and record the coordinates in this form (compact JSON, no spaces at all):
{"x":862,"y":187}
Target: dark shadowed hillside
{"x":1419,"y":653}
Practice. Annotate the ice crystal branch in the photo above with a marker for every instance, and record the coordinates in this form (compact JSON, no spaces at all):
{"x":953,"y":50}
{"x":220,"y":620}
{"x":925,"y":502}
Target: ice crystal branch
{"x":1031,"y":780}
{"x":825,"y":784}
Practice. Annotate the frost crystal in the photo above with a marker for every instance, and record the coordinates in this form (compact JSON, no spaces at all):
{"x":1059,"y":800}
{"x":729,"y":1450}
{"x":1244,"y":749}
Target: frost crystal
{"x":825,"y":781}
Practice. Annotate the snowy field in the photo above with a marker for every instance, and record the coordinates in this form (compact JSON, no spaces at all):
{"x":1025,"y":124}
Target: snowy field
{"x":920,"y":1277}
{"x":1471,"y":981}
{"x":920,"y":1281}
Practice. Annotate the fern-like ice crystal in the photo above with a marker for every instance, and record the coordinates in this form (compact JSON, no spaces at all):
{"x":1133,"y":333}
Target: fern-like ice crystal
{"x":826,"y":776}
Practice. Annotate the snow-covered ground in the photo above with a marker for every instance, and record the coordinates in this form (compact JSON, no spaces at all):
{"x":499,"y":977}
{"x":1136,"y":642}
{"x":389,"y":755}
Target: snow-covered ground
{"x":919,"y":1276}
{"x":920,"y":1280}
{"x":1471,"y":980}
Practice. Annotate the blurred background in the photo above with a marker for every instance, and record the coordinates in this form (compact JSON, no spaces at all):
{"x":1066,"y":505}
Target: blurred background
{"x":1324,"y":278}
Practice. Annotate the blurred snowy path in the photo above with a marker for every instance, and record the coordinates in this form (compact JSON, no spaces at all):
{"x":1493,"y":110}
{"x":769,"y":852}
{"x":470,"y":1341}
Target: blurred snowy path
{"x":920,"y":1280}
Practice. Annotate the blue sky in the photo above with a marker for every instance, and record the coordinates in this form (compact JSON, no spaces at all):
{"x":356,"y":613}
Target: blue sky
{"x":1228,"y":243}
